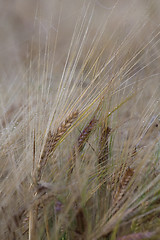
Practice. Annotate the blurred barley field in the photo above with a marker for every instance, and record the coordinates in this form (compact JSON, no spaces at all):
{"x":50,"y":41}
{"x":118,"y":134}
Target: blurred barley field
{"x":79,"y":119}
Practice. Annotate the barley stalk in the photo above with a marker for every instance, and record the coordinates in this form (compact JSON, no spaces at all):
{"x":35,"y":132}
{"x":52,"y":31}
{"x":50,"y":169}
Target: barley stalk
{"x":52,"y":140}
{"x":102,"y":160}
{"x":32,"y":223}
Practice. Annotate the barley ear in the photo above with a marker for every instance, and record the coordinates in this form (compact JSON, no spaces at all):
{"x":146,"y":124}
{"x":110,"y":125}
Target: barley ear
{"x":123,"y":185}
{"x":103,"y":145}
{"x":53,"y":139}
